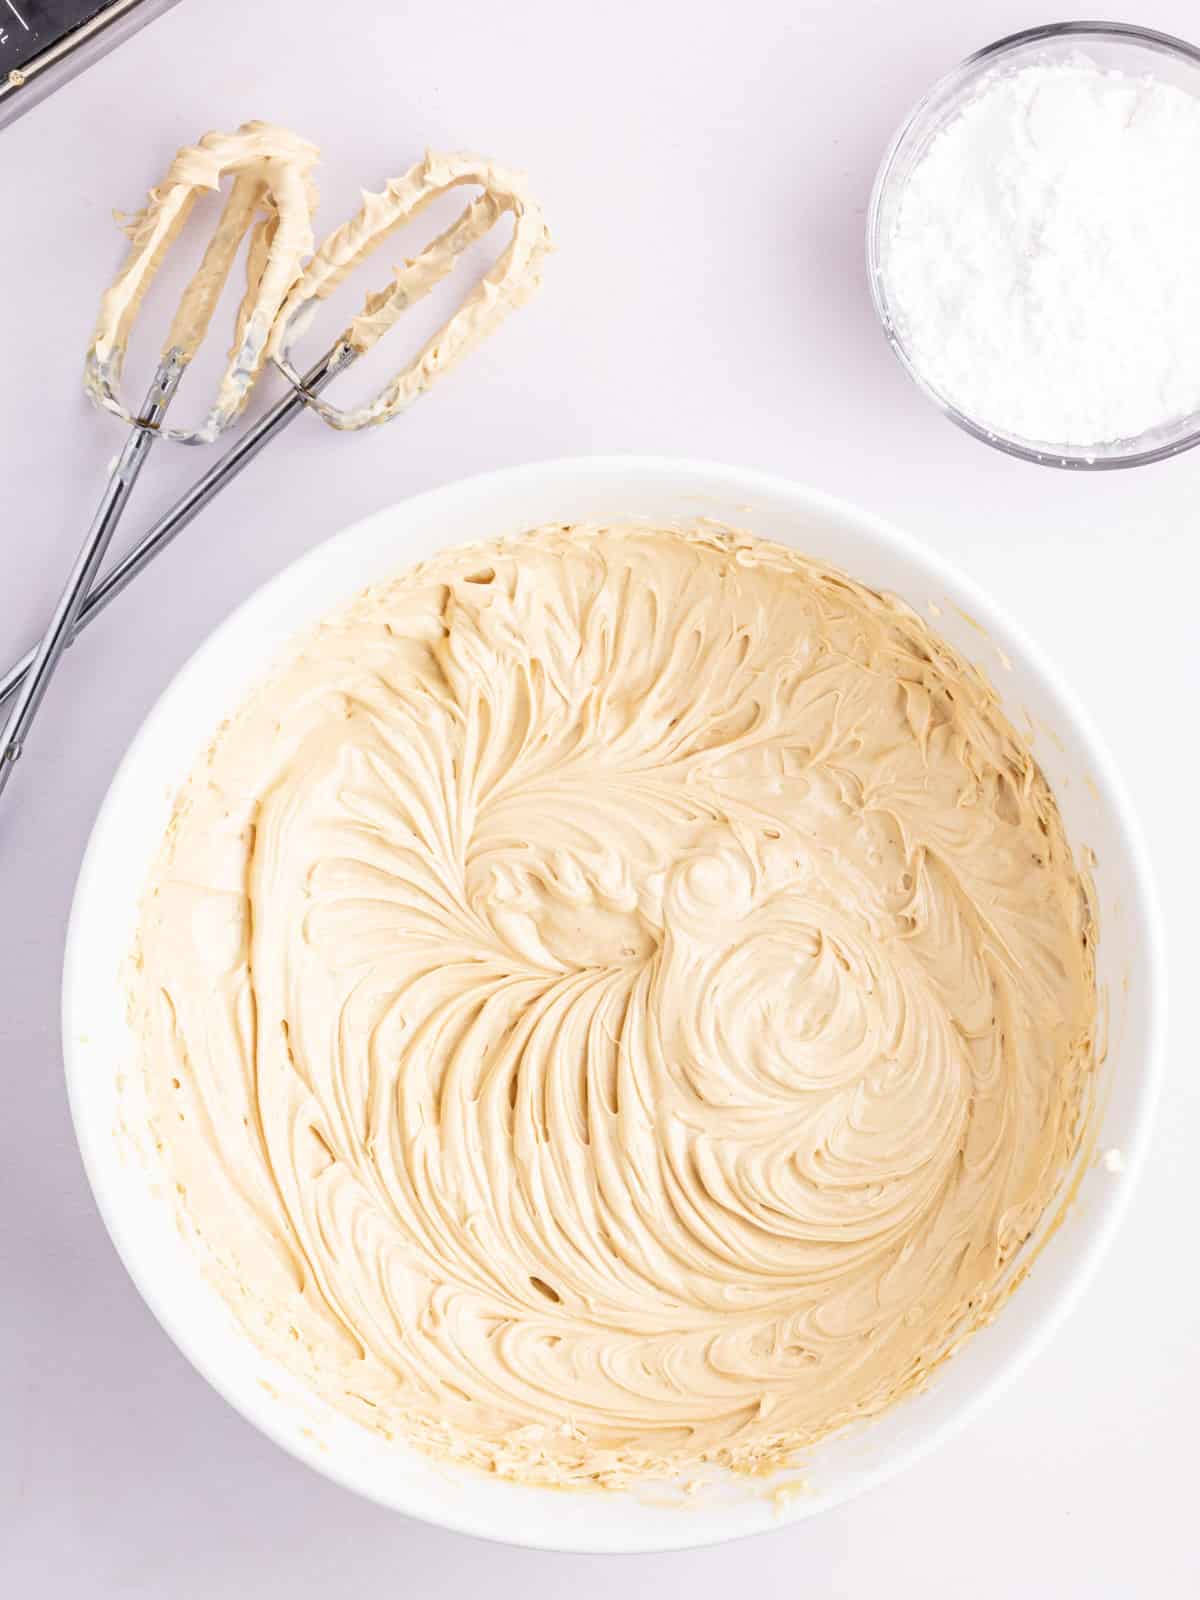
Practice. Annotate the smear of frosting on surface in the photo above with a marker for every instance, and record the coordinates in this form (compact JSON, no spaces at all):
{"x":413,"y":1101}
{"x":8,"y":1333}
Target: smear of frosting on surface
{"x":617,"y":999}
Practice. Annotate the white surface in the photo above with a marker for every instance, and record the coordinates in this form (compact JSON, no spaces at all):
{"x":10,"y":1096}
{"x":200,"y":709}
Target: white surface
{"x":706,"y":168}
{"x":104,"y":1075}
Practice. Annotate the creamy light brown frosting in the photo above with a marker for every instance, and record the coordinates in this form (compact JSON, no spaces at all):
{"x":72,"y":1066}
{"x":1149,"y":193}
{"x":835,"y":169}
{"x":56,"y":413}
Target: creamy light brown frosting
{"x":515,"y":276}
{"x":272,"y":198}
{"x":617,"y":999}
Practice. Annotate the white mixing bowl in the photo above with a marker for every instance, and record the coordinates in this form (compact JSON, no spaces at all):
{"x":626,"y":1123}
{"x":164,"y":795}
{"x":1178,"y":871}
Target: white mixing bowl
{"x":105,"y":1084}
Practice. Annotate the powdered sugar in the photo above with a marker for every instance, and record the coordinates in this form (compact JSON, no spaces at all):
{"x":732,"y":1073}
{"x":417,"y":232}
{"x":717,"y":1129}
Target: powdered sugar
{"x":1043,"y":269}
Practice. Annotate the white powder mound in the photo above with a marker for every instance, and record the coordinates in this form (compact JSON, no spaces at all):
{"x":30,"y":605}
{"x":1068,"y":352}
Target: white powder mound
{"x":1044,"y":266}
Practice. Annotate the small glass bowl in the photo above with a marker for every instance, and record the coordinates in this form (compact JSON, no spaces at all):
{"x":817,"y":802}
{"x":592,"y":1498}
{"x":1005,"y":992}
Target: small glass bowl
{"x":1116,"y":45}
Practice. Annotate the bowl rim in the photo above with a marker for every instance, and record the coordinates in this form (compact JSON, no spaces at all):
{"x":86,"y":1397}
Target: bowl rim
{"x":683,"y":476}
{"x":1069,"y":458}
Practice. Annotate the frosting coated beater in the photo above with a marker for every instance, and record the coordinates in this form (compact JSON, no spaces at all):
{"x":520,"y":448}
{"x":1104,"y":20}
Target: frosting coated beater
{"x":271,"y":201}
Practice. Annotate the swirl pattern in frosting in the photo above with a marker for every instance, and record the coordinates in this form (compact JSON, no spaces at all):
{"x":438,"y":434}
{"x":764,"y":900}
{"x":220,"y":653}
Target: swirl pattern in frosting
{"x":617,"y":999}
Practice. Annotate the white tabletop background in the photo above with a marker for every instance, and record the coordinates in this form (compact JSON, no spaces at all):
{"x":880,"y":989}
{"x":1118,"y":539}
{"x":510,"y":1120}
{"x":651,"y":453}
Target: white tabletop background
{"x":706,"y":168}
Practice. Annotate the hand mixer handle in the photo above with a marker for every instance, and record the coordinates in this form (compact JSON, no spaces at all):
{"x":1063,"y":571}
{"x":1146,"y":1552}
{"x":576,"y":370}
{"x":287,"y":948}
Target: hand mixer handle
{"x":62,"y":625}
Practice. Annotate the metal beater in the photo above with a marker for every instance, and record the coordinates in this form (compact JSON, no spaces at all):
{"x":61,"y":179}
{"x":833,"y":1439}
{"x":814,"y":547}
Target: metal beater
{"x":271,"y":198}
